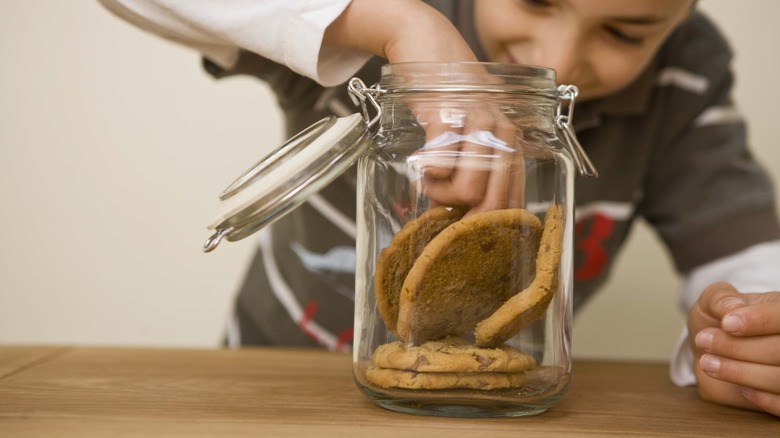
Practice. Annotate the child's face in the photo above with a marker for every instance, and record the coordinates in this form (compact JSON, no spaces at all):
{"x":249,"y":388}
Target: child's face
{"x":600,"y":46}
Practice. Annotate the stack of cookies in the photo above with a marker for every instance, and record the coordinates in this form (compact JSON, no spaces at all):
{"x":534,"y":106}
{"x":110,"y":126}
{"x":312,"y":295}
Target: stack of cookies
{"x":443,"y":276}
{"x":447,"y":364}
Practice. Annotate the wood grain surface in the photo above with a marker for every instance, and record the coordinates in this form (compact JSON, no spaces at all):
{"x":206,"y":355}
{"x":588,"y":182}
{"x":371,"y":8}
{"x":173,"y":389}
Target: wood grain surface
{"x":122,"y":392}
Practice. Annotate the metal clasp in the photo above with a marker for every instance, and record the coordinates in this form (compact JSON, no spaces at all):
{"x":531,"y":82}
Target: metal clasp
{"x":359,"y":93}
{"x":584,"y":165}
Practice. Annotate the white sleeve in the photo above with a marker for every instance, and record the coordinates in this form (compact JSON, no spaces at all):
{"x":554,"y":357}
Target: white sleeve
{"x":755,"y":269}
{"x":288,"y":32}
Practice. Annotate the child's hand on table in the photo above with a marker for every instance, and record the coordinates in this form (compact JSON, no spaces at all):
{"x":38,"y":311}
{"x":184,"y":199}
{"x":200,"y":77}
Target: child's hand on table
{"x":736,"y":342}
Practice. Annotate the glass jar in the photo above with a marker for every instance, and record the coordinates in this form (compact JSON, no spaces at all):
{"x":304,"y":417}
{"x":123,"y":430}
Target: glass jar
{"x":464,"y":243}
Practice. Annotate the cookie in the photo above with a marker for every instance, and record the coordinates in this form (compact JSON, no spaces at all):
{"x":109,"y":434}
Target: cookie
{"x":467,"y":272}
{"x":390,"y":378}
{"x":451,"y":355}
{"x":395,"y":261}
{"x":530,"y":304}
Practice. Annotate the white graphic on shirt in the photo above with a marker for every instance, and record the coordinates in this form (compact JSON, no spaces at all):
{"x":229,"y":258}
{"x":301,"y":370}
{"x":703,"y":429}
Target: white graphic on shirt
{"x":339,"y":259}
{"x":683,"y":79}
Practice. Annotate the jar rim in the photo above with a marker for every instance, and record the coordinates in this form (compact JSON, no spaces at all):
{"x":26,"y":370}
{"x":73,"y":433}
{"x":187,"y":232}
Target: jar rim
{"x":404,"y":77}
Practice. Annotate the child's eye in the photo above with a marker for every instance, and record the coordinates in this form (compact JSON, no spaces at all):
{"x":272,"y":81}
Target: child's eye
{"x":537,"y":3}
{"x":621,"y":37}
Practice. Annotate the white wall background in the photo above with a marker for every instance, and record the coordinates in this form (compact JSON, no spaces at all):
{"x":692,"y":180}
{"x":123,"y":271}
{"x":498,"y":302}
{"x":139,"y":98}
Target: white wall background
{"x":114,"y":146}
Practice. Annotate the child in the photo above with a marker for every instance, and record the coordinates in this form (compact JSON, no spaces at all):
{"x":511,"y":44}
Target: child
{"x":654,"y":114}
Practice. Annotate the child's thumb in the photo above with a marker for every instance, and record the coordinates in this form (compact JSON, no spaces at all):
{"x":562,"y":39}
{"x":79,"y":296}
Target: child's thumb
{"x":721,"y":298}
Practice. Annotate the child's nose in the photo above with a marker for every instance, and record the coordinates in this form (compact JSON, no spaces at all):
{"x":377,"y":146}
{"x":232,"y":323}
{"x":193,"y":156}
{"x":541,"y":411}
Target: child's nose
{"x":564,"y":55}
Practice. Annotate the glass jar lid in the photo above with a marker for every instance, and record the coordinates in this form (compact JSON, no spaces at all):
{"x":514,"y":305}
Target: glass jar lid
{"x":286,"y":177}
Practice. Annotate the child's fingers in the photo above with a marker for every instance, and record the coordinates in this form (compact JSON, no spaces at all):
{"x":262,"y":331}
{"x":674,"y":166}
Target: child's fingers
{"x":478,"y":154}
{"x":471,"y":157}
{"x":758,"y":319}
{"x":497,"y":189}
{"x":767,"y":401}
{"x":517,"y":184}
{"x":474,"y":161}
{"x":442,"y":141}
{"x":502,"y":169}
{"x":719,"y":299}
{"x":761,"y":377}
{"x":467,"y":182}
{"x":757,"y":349}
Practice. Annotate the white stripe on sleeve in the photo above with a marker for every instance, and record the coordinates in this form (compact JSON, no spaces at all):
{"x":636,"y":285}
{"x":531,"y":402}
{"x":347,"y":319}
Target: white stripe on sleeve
{"x":718,"y":115}
{"x":683,"y":79}
{"x":610,"y":209}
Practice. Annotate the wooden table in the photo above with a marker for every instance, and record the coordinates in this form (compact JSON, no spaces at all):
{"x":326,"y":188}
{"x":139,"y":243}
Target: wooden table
{"x":84,"y":392}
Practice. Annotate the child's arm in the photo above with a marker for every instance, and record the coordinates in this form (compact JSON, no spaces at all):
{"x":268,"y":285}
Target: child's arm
{"x":288,"y":32}
{"x":328,"y":41}
{"x":409,"y":30}
{"x":399,"y":31}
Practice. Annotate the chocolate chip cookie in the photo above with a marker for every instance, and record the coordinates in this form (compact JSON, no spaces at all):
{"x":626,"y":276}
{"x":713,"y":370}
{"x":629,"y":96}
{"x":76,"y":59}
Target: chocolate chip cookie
{"x":467,"y":272}
{"x":530,"y":304}
{"x":395,"y":261}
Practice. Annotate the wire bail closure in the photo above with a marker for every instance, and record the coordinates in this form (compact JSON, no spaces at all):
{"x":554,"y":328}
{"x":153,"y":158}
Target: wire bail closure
{"x":584,"y":165}
{"x":359,"y":93}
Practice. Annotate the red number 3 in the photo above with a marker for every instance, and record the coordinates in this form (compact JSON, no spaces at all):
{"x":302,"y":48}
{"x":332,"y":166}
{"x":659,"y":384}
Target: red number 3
{"x":595,"y":256}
